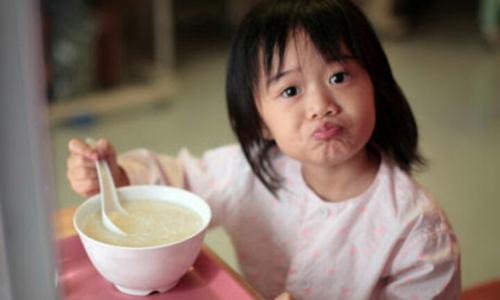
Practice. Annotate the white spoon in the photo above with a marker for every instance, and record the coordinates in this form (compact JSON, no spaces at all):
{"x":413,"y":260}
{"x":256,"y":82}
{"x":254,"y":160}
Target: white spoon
{"x":109,"y":197}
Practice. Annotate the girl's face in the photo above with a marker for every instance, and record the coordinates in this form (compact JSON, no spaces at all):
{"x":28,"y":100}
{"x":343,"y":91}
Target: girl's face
{"x":319,"y":112}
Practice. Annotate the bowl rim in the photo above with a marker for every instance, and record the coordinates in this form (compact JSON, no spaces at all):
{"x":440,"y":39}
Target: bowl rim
{"x":94,"y":198}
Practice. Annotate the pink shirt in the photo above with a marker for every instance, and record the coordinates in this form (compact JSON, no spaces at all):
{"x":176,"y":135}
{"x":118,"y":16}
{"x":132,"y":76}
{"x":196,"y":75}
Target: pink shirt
{"x":391,"y":242}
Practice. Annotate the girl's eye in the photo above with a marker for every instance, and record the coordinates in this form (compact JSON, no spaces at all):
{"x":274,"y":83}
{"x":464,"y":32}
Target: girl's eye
{"x":290,"y":91}
{"x":338,"y":78}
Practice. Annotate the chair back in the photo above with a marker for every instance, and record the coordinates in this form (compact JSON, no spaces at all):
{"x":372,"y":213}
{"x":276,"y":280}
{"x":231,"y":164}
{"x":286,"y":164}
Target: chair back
{"x":485,"y":291}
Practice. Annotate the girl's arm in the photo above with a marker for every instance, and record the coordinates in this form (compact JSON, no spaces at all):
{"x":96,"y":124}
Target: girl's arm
{"x":426,"y":265}
{"x":219,"y":176}
{"x":144,"y":167}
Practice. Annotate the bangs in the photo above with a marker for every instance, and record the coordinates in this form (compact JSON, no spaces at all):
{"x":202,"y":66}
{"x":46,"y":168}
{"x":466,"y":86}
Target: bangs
{"x":325,"y":24}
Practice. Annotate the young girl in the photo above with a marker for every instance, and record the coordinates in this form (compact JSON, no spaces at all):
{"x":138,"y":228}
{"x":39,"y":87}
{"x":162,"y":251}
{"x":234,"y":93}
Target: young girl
{"x":317,"y":197}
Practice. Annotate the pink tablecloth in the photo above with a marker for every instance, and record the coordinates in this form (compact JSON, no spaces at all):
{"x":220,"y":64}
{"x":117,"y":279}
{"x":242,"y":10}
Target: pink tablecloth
{"x":207,"y":280}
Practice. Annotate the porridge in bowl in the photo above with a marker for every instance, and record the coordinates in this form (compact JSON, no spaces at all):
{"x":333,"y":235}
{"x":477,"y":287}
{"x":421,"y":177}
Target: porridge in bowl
{"x":148,"y":223}
{"x":141,"y":269}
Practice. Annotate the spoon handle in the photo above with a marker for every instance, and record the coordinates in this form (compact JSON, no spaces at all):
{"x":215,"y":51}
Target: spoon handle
{"x":109,"y":196}
{"x":108,"y":189}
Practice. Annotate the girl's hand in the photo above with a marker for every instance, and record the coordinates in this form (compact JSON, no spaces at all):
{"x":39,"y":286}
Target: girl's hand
{"x":284,"y":296}
{"x":82,"y":173}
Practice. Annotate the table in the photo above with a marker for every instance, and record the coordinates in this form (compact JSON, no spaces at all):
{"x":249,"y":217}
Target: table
{"x":210,"y":277}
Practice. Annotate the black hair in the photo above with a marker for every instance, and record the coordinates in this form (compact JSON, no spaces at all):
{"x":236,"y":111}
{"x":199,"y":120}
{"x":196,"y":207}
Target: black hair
{"x":264,"y":32}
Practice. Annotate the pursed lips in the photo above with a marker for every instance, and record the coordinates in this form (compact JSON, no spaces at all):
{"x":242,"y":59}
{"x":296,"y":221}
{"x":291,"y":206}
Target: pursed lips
{"x":326,"y":131}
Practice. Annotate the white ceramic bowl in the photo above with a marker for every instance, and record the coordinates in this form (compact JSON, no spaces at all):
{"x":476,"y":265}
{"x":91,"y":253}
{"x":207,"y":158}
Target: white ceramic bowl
{"x":141,"y":271}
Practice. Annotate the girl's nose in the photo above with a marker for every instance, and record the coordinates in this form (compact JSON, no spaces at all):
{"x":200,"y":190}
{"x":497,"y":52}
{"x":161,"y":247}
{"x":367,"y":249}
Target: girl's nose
{"x":321,"y":104}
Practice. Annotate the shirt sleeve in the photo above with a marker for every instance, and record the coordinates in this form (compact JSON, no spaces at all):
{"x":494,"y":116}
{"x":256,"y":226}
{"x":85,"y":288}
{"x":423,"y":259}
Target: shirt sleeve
{"x":427,"y":263}
{"x":216,"y":176}
{"x":146,"y":167}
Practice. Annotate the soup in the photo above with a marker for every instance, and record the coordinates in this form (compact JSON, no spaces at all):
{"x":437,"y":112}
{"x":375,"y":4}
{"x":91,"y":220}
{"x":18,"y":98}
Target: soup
{"x":148,"y":223}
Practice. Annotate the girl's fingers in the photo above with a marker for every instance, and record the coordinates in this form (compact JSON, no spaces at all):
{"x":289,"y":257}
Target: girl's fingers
{"x":77,"y":161}
{"x":79,"y":147}
{"x":106,"y":150}
{"x":85,"y":188}
{"x":284,"y":296}
{"x":82,"y":174}
{"x":81,"y":169}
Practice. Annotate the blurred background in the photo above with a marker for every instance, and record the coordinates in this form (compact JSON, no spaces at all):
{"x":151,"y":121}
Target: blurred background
{"x":151,"y":74}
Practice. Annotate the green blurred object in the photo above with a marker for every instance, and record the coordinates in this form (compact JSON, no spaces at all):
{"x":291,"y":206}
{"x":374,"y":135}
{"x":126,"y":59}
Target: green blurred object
{"x":489,"y":13}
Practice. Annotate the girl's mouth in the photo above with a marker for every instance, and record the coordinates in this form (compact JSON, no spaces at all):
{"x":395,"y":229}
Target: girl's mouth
{"x":326,"y":132}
